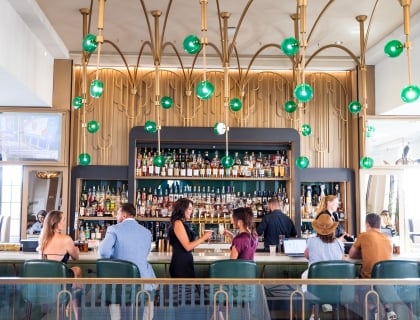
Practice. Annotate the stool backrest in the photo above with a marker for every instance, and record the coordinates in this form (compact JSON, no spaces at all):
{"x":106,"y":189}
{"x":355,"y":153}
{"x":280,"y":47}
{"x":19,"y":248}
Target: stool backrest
{"x":43,"y":293}
{"x":116,"y":268}
{"x":396,"y":269}
{"x":333,"y":269}
{"x":235,"y":268}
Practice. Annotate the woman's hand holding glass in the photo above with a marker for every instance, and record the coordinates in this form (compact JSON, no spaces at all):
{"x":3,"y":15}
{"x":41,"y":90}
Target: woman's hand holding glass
{"x":207,"y":235}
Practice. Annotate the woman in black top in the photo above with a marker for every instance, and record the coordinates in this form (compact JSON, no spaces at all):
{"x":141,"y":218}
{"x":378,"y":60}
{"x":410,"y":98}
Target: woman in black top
{"x":183,"y":240}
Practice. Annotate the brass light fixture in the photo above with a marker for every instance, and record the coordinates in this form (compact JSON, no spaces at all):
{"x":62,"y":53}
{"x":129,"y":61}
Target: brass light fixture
{"x":47,"y":174}
{"x":293,"y":47}
{"x":411,"y":92}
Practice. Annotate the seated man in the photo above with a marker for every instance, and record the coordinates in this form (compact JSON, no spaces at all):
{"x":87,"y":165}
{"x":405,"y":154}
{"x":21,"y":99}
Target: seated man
{"x":372,"y":246}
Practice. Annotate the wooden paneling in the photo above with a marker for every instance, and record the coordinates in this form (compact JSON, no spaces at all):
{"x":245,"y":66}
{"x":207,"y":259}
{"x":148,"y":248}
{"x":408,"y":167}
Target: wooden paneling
{"x":129,"y":101}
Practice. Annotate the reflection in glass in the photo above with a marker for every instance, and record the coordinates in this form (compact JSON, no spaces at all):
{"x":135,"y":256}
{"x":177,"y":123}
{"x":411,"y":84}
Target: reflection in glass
{"x":393,"y":141}
{"x":30,"y":136}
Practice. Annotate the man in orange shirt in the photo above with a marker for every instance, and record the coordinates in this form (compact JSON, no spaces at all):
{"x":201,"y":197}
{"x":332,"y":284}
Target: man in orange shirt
{"x":372,"y":246}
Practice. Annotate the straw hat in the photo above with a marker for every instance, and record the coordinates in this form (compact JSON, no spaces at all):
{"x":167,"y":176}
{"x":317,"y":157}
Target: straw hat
{"x":324,"y":225}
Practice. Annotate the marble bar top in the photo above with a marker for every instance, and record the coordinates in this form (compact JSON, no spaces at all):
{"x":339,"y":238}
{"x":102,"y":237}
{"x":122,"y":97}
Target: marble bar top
{"x":165,"y":257}
{"x":154,"y":257}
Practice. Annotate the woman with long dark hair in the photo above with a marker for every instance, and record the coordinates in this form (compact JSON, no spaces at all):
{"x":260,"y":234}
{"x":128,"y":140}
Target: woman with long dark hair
{"x":244,"y":244}
{"x":183,"y":240}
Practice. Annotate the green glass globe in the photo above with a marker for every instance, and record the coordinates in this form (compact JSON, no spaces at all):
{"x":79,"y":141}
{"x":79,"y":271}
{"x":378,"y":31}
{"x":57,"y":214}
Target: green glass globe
{"x":204,"y":90}
{"x":159,"y":161}
{"x":366,"y":162}
{"x":166,"y":102}
{"x":150,"y":126}
{"x":290,"y":106}
{"x":410,"y":93}
{"x":302,"y":162}
{"x":92,"y":126}
{"x":354,"y":107}
{"x":219,"y":128}
{"x":89,"y":43}
{"x":370,"y":130}
{"x":306,"y":130}
{"x":84,"y":159}
{"x":290,"y":46}
{"x":393,"y":48}
{"x":226,"y":162}
{"x":303,"y":92}
{"x":77,"y":102}
{"x":96,"y":88}
{"x":192,"y":44}
{"x":235,"y":104}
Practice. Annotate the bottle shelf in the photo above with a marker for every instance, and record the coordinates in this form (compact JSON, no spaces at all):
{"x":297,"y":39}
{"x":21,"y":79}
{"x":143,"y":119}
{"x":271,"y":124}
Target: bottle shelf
{"x":212,"y":178}
{"x":96,"y":218}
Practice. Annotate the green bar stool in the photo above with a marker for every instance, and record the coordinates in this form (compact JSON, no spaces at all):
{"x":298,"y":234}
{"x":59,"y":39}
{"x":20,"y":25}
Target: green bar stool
{"x":45,"y":294}
{"x":396,"y":295}
{"x":335,"y":295}
{"x":117,"y":294}
{"x":238,"y":295}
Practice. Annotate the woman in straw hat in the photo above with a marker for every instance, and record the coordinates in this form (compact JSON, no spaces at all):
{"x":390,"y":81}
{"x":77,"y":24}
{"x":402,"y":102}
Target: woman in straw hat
{"x":325,"y":246}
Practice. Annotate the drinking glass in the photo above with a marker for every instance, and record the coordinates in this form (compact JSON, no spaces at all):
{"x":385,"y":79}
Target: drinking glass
{"x":221,"y":230}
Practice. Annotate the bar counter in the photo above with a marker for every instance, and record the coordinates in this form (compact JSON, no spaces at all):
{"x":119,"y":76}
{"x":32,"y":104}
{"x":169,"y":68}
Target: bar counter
{"x":278,"y":266}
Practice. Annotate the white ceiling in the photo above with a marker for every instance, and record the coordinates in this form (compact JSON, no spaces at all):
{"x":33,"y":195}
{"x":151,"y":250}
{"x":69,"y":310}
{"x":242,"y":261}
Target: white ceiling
{"x":266,"y":22}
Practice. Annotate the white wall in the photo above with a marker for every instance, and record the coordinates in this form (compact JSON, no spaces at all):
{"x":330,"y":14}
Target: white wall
{"x":26,"y":66}
{"x":391,"y":75}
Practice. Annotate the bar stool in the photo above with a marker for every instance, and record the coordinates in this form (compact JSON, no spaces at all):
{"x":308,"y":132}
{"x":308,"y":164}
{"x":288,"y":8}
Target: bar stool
{"x":117,"y":294}
{"x":397,"y":295}
{"x":335,"y":295}
{"x":45,"y":294}
{"x":239,"y":295}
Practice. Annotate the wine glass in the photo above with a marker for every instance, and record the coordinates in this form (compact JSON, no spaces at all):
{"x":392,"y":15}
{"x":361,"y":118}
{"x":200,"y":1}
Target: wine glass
{"x":221,"y":230}
{"x":209,"y":239}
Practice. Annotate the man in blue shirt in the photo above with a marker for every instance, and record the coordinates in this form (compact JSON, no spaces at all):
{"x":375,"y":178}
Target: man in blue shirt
{"x":128,"y":240}
{"x":274,"y":224}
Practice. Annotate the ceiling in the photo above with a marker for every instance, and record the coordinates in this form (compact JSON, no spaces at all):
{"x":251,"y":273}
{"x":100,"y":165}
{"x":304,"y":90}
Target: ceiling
{"x":58,"y":25}
{"x":266,"y":22}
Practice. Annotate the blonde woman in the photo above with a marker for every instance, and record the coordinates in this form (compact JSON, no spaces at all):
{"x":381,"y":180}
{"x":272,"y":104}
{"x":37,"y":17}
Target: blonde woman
{"x":54,"y":244}
{"x":329,"y":205}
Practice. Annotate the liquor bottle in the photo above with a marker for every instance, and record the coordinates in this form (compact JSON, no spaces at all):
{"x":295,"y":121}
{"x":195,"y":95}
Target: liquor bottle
{"x":207,"y":164}
{"x":189,"y":163}
{"x":245,"y":170}
{"x":138,"y":203}
{"x":199,"y":165}
{"x":83,"y":201}
{"x":144,"y":163}
{"x":215,"y":163}
{"x":138,"y":162}
{"x":117,"y":199}
{"x":236,"y":165}
{"x":124,"y":194}
{"x":157,"y":171}
{"x":150,"y":164}
{"x":112,"y":207}
{"x":183,"y":169}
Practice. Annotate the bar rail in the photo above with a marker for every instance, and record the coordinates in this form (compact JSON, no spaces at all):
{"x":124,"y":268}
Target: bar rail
{"x":199,"y":298}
